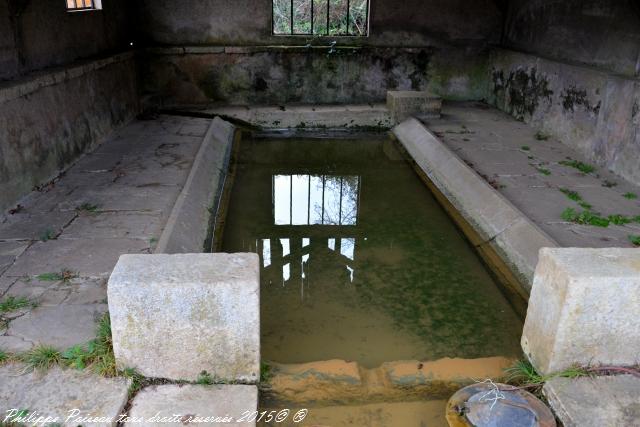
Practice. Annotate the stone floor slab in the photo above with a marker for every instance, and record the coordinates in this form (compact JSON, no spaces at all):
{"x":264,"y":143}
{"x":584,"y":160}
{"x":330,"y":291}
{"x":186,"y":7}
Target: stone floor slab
{"x":191,"y":402}
{"x":85,"y":257}
{"x":35,"y":226}
{"x":612,"y":401}
{"x":58,"y":393}
{"x":112,"y":225}
{"x":508,"y":154}
{"x":60,"y":326}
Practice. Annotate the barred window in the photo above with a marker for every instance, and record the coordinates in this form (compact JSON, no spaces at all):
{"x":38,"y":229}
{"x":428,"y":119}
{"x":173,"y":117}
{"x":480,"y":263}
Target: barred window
{"x":77,"y":5}
{"x":321,"y":17}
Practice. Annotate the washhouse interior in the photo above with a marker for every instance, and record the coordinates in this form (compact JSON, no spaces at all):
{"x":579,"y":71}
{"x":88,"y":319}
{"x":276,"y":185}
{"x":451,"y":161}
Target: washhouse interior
{"x":319,"y":212}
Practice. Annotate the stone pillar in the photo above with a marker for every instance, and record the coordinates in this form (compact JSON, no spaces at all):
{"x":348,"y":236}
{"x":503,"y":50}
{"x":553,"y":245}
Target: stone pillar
{"x":584,"y":309}
{"x":174,"y":316}
{"x":404,"y":104}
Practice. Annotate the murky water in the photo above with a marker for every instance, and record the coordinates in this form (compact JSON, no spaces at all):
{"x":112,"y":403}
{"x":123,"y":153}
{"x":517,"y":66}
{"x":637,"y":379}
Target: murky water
{"x":359,"y":262}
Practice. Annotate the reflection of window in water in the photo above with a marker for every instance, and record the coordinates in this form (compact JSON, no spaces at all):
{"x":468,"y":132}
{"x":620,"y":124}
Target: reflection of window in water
{"x":315,"y":199}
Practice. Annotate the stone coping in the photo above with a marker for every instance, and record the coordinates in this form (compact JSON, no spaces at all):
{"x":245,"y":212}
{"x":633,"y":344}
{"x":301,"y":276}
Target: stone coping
{"x":495,"y":223}
{"x":183,"y":50}
{"x":189,"y":223}
{"x":24,"y":86}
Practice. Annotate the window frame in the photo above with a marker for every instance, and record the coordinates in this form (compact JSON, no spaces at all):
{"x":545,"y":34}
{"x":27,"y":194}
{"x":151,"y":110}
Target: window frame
{"x":311,"y":33}
{"x":95,"y":5}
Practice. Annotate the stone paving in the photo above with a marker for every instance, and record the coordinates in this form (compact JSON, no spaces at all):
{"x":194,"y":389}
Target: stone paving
{"x":524,"y":166}
{"x":58,"y":247}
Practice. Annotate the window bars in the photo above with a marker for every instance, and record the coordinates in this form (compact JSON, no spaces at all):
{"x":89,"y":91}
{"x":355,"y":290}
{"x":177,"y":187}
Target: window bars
{"x":73,"y":5}
{"x":320,"y":17}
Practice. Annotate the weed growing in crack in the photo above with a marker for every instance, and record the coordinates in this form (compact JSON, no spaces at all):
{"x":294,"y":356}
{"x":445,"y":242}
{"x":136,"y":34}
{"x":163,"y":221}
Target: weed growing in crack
{"x":634,"y":239}
{"x":204,"y":378}
{"x":585,"y":217}
{"x":12,"y":303}
{"x":630,"y":196}
{"x":543,"y":171}
{"x":64,"y":275}
{"x":87,"y":207}
{"x":582,"y":167}
{"x":47,"y":235}
{"x":41,"y":358}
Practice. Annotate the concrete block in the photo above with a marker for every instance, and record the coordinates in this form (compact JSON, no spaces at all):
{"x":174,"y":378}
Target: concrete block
{"x":174,"y":316}
{"x":595,"y":402}
{"x":68,"y":396}
{"x":179,"y":405}
{"x":404,"y":104}
{"x":584,"y":309}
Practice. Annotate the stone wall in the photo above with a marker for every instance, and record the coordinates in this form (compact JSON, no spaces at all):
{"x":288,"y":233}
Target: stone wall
{"x":592,"y":111}
{"x":47,"y":121}
{"x":36,"y":34}
{"x":223,"y":51}
{"x":600,"y":33}
{"x":274,"y":75}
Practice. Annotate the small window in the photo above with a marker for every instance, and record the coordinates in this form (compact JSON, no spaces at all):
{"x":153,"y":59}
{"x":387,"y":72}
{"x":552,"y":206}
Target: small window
{"x":321,"y":17}
{"x":77,"y":5}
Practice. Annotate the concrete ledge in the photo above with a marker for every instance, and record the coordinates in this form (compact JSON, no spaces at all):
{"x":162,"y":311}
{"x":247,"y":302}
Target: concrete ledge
{"x":22,"y":87}
{"x":188,"y":225}
{"x":366,"y":117}
{"x":584,"y":309}
{"x":175,"y":316}
{"x":496,"y":222}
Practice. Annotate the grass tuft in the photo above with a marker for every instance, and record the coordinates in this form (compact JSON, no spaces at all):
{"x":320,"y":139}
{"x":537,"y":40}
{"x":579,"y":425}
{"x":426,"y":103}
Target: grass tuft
{"x":634,"y":239}
{"x":41,"y":358}
{"x":97,"y":354}
{"x":525,"y":148}
{"x":10,"y":304}
{"x":582,"y":167}
{"x":630,"y":196}
{"x":543,"y":171}
{"x":204,"y":378}
{"x":64,"y":275}
{"x":585,"y":217}
{"x":87,"y":207}
{"x":572,"y":195}
{"x":47,"y":235}
{"x":619,"y":219}
{"x":522,"y":373}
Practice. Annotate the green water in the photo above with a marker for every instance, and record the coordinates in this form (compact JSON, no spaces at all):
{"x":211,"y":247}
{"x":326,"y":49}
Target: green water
{"x":359,"y":262}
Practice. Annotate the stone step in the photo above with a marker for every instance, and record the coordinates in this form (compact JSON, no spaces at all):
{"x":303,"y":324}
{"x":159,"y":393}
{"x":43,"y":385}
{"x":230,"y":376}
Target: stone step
{"x":421,"y":104}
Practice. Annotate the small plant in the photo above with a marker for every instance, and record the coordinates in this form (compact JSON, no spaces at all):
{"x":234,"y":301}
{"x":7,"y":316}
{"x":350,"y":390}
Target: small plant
{"x":266,"y":372}
{"x":87,"y":207}
{"x":541,"y":136}
{"x":97,"y":354}
{"x":543,"y":171}
{"x":582,"y":167}
{"x":4,"y":357}
{"x":12,"y":303}
{"x":523,"y":374}
{"x":204,"y":378}
{"x":609,"y":184}
{"x":525,"y":148}
{"x":137,"y":380}
{"x":630,"y":196}
{"x":47,"y":235}
{"x":41,"y":358}
{"x":634,"y":239}
{"x":619,"y":219}
{"x":572,"y":195}
{"x":584,"y":205}
{"x":585,"y":217}
{"x":64,"y":276}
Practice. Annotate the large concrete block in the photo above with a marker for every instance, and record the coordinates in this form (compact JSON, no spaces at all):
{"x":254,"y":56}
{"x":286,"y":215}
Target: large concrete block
{"x":584,"y":309}
{"x":404,"y":104}
{"x":174,"y":316}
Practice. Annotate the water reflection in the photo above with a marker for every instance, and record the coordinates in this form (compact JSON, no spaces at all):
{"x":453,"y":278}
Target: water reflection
{"x":312,"y":201}
{"x":315,"y":199}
